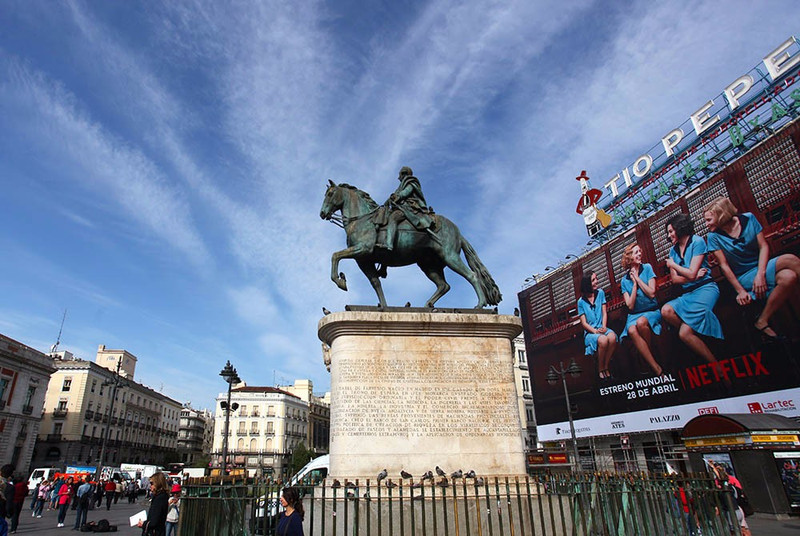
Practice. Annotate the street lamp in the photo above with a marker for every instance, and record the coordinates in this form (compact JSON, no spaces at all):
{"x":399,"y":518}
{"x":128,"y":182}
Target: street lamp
{"x":553,"y":374}
{"x":230,"y":376}
{"x":117,"y":383}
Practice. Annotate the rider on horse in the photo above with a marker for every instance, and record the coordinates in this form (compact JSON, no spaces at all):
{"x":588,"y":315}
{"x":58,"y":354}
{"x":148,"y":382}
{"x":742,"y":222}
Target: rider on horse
{"x":409,"y":204}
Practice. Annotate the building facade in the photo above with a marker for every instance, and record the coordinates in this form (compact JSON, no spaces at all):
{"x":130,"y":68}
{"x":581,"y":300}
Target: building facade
{"x":24,"y":375}
{"x":142,"y":424}
{"x":319,"y":415}
{"x":195,"y":434}
{"x":263,"y":431}
{"x":522,"y":379}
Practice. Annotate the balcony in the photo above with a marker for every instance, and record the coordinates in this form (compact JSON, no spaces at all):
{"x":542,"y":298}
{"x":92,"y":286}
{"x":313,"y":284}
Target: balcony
{"x":27,"y":410}
{"x":254,"y":432}
{"x":113,"y":420}
{"x":54,"y":438}
{"x":98,"y":417}
{"x":89,"y":414}
{"x":241,"y":432}
{"x":59,"y":413}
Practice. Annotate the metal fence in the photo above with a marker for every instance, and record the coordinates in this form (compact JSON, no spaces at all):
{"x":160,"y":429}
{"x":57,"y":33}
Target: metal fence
{"x":553,"y":504}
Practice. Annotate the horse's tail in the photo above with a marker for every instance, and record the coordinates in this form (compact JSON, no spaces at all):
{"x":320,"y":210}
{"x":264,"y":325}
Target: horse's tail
{"x":490,"y":289}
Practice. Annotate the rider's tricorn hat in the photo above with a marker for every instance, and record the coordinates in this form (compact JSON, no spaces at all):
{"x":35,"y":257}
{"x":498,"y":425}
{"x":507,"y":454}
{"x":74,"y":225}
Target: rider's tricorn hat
{"x":405,"y":170}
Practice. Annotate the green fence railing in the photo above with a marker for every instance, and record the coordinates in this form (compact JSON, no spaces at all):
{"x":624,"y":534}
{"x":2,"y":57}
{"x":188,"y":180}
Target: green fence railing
{"x":544,"y":505}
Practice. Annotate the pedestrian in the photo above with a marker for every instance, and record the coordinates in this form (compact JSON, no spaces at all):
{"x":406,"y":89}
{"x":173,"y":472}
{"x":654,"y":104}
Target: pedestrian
{"x":43,"y":497}
{"x":173,"y":510}
{"x":157,"y":514}
{"x":75,"y":485}
{"x":6,"y":496}
{"x":110,"y":490}
{"x":132,"y":492}
{"x":119,"y":491}
{"x":84,"y":499}
{"x":64,"y":497}
{"x":35,"y":496}
{"x":54,"y":492}
{"x":99,"y":490}
{"x":20,"y":491}
{"x":290,"y":521}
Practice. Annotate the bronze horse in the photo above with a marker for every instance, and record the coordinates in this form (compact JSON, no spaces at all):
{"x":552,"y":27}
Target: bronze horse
{"x":431,"y":254}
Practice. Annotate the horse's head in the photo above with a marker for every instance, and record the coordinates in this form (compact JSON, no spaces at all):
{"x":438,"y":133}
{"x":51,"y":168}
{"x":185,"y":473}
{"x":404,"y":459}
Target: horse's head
{"x":333,"y":201}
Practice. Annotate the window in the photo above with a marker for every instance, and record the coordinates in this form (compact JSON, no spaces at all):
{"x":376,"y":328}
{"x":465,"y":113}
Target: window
{"x":62,"y":405}
{"x":526,"y":385}
{"x":94,"y":385}
{"x":67,"y":384}
{"x":101,"y":389}
{"x":529,"y":414}
{"x":255,"y":411}
{"x":57,"y":428}
{"x":3,"y":387}
{"x":270,"y":411}
{"x":29,"y":395}
{"x":94,"y":431}
{"x":521,"y":356}
{"x":243,"y":411}
{"x":270,"y":429}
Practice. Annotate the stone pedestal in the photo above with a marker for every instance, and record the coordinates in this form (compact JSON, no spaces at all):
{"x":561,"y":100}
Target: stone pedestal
{"x":419,"y":389}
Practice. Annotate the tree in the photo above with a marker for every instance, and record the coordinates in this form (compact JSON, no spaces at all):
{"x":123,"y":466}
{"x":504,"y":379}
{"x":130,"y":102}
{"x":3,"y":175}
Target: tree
{"x":300,"y":456}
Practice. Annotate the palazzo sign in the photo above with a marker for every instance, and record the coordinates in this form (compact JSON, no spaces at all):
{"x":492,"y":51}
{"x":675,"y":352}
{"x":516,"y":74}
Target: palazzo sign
{"x":746,"y":111}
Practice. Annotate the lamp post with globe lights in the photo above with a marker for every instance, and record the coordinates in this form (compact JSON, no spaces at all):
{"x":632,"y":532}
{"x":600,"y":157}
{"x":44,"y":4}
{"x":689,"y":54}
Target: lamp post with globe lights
{"x":552,"y":377}
{"x":230,"y":375}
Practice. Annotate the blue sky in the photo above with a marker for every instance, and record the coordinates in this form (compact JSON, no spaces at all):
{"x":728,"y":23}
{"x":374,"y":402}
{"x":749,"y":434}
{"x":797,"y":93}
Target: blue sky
{"x":163,"y":164}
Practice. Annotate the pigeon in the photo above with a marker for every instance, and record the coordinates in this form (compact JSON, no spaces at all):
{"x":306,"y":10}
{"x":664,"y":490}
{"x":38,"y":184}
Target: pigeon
{"x":427,"y":476}
{"x":415,"y":485}
{"x":516,"y":311}
{"x":439,"y":471}
{"x":470,"y":474}
{"x":457,"y":474}
{"x":348,"y":484}
{"x":366,"y":496}
{"x":417,"y":498}
{"x":325,"y":311}
{"x":443,"y":483}
{"x":336,"y":484}
{"x":479,"y":482}
{"x":383,"y":474}
{"x":390,"y":484}
{"x":408,"y":304}
{"x":405,"y":474}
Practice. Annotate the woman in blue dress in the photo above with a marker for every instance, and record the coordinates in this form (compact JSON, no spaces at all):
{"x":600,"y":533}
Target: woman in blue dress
{"x":598,"y":339}
{"x":290,"y":521}
{"x":738,"y":243}
{"x":639,"y":291}
{"x":692,"y":313}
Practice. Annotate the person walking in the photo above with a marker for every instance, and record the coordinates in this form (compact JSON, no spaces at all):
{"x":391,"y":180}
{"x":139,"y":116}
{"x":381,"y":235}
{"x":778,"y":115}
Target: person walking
{"x":64,"y":497}
{"x":35,"y":496}
{"x":99,"y":489}
{"x":20,"y":491}
{"x":6,"y":496}
{"x":84,"y":498}
{"x":119,"y":491}
{"x":173,"y":510}
{"x":157,"y":514}
{"x":132,"y":492}
{"x":290,"y":522}
{"x":110,"y":490}
{"x":43,"y":497}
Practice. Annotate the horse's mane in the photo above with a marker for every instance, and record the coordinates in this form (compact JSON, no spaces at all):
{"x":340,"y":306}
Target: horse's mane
{"x":362,"y":194}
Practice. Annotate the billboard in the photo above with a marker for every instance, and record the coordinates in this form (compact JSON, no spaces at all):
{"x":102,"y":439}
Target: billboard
{"x":749,"y":373}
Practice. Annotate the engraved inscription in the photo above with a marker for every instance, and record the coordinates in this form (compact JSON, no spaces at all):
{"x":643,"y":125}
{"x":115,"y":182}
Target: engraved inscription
{"x":467,"y":397}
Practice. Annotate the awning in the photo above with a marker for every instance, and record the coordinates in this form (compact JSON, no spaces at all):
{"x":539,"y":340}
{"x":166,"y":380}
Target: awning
{"x":741,"y":430}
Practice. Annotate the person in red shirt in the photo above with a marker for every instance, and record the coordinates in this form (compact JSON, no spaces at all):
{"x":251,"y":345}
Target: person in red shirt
{"x":63,"y":498}
{"x":111,"y":490}
{"x":20,"y":492}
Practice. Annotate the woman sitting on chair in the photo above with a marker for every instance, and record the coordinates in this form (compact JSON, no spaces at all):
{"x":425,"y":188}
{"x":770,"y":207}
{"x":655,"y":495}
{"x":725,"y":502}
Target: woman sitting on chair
{"x":639,"y":290}
{"x":598,"y":339}
{"x":692,"y":313}
{"x":738,"y":243}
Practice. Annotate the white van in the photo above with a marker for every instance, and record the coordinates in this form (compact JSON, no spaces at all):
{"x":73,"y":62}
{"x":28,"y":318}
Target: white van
{"x":313,"y":472}
{"x":42,"y":473}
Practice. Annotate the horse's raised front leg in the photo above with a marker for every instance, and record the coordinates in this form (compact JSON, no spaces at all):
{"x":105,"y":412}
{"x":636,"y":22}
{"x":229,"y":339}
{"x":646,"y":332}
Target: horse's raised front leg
{"x":349,"y":253}
{"x":368,"y":267}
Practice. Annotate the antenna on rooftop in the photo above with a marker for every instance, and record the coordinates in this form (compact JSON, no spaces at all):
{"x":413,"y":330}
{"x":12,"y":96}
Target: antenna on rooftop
{"x":54,"y":348}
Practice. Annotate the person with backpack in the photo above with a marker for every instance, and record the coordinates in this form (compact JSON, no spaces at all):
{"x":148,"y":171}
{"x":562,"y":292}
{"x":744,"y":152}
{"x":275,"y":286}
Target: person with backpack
{"x":173,"y":510}
{"x":83,"y":498}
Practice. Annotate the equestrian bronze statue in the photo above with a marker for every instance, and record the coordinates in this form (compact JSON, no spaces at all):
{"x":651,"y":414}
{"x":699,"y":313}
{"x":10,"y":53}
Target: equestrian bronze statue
{"x":403,"y":231}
